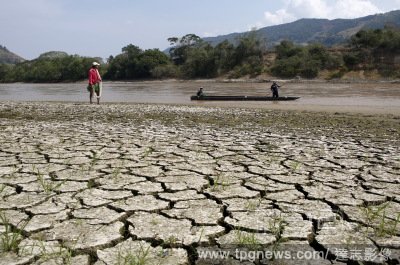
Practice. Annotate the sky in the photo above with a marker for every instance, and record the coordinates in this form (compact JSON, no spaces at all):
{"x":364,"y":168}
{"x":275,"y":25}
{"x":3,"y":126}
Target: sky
{"x":103,"y":27}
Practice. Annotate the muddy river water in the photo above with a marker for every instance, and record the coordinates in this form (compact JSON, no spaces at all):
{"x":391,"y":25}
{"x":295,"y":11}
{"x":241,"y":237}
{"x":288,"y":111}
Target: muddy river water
{"x":380,"y":97}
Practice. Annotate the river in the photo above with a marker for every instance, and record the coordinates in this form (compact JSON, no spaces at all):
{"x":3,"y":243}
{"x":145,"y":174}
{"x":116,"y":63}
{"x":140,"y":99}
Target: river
{"x":374,"y":97}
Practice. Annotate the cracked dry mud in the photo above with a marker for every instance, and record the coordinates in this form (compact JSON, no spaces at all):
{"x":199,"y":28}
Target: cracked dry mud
{"x":153,"y":184}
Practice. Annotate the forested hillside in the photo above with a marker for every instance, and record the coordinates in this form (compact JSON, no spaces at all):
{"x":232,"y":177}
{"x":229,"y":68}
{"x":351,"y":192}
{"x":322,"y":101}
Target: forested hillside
{"x":323,"y":31}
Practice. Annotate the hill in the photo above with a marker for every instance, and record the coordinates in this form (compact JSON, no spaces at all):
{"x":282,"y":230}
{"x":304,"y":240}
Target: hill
{"x":53,"y":55}
{"x":7,"y":57}
{"x":324,"y":31}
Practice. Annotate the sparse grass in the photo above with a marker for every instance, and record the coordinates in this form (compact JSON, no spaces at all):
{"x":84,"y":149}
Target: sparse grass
{"x":115,"y":173}
{"x":126,"y":257}
{"x":48,"y":186}
{"x":266,"y":146}
{"x":94,"y":159}
{"x":11,"y":237}
{"x":172,"y":240}
{"x":201,"y":235}
{"x":148,"y":151}
{"x":378,"y":223}
{"x":58,"y":254}
{"x":248,"y":240}
{"x":91,"y":183}
{"x":295,"y":165}
{"x":218,"y":184}
{"x":252,"y":204}
{"x":154,"y":222}
{"x":276,"y":225}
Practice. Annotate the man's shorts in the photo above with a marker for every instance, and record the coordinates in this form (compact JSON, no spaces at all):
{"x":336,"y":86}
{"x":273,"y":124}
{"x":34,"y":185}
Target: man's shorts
{"x":96,"y":87}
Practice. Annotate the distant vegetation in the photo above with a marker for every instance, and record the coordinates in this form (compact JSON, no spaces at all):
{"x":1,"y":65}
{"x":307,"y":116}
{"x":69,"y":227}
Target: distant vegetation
{"x":191,"y":57}
{"x":47,"y":69}
{"x":293,"y":60}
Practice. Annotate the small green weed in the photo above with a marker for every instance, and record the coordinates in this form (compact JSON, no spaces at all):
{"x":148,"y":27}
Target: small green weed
{"x":252,"y":205}
{"x":138,"y":258}
{"x":10,"y":238}
{"x":376,"y":219}
{"x":218,"y":184}
{"x":248,"y":240}
{"x":48,"y":186}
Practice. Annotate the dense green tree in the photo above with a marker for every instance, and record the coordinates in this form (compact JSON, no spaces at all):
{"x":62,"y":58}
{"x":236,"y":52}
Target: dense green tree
{"x":200,"y":62}
{"x":224,"y":54}
{"x":198,"y":59}
{"x":134,"y":63}
{"x":306,"y":61}
{"x":287,"y":49}
{"x":374,"y":49}
{"x":182,"y":46}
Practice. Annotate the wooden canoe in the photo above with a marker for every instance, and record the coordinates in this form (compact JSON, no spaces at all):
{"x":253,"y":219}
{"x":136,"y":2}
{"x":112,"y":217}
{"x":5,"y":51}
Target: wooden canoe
{"x":242,"y":98}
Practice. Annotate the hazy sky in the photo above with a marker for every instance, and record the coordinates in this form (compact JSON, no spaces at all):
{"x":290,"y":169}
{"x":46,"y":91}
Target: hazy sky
{"x":103,"y":27}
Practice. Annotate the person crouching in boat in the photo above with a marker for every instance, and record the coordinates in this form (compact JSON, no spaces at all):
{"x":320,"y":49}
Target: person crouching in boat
{"x":200,"y":93}
{"x":94,"y":82}
{"x":274,"y":89}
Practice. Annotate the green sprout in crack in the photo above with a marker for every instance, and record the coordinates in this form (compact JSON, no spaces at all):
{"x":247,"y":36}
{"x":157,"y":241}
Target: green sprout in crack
{"x":91,"y":184}
{"x":172,"y":240}
{"x":270,"y":159}
{"x":295,"y":165}
{"x":11,"y":237}
{"x":148,"y":151}
{"x":248,"y":240}
{"x":154,"y":221}
{"x":117,"y":170}
{"x":219,"y":184}
{"x":57,"y":254}
{"x":376,"y":219}
{"x":48,"y":186}
{"x":276,"y":225}
{"x":140,"y":257}
{"x":252,"y":204}
{"x":201,"y":235}
{"x":94,"y":159}
{"x":266,"y":146}
{"x":2,"y":188}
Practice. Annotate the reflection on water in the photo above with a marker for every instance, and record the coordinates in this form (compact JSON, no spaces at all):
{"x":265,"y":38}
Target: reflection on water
{"x":312,"y":93}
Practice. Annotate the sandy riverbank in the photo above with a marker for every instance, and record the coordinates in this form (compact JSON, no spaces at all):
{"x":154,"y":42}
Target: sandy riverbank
{"x":111,"y":184}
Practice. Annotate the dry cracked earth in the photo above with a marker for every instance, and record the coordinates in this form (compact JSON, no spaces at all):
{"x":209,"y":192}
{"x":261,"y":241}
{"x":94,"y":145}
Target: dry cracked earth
{"x":153,"y":184}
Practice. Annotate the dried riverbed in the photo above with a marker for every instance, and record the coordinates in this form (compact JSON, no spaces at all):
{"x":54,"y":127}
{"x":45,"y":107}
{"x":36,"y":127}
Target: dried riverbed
{"x":163,"y":184}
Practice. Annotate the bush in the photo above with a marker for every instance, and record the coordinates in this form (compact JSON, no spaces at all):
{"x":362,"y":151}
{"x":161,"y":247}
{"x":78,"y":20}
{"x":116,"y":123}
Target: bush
{"x":164,"y":71}
{"x":287,"y":68}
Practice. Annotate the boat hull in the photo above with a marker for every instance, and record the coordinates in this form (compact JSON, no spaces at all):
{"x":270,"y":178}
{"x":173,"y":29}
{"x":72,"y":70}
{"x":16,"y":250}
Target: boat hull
{"x":242,"y":98}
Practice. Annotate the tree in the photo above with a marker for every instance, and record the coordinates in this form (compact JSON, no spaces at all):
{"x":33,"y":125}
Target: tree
{"x":200,"y":62}
{"x":306,"y":61}
{"x":181,"y":46}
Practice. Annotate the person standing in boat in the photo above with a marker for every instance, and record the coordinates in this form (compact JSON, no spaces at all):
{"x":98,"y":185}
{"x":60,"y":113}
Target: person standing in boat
{"x":274,"y":89}
{"x":94,"y":82}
